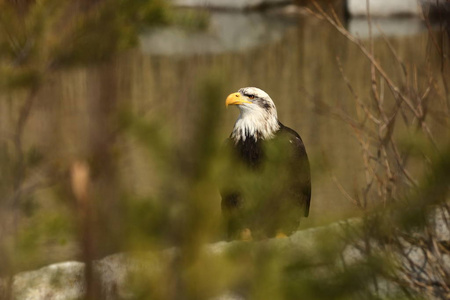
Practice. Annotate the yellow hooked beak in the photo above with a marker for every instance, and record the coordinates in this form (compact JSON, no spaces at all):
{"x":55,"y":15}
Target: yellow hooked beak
{"x":235,"y":99}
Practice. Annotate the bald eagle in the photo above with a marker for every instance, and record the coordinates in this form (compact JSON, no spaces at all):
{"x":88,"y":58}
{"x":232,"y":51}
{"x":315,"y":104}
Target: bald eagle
{"x":267,"y":187}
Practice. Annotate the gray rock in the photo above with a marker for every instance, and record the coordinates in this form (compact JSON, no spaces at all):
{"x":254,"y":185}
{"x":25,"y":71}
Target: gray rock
{"x":58,"y":282}
{"x":397,"y":27}
{"x":226,"y":32}
{"x":66,"y":280}
{"x":442,"y":224}
{"x":384,"y":8}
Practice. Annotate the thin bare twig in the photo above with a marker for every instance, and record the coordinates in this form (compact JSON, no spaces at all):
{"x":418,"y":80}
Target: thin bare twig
{"x":355,"y":96}
{"x":391,"y":48}
{"x":344,"y":192}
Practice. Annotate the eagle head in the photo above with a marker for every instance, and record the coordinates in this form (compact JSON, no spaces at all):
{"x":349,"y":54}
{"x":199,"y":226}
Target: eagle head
{"x":258,"y":114}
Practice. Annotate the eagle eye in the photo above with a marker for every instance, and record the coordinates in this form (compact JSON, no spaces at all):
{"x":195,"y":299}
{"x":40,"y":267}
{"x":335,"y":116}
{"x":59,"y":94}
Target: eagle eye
{"x":251,"y":97}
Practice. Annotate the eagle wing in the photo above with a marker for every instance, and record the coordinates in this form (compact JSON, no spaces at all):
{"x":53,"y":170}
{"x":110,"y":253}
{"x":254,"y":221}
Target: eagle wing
{"x":298,"y":168}
{"x":268,"y":184}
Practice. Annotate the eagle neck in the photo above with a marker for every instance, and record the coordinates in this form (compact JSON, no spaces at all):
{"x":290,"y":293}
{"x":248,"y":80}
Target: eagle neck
{"x":255,"y":125}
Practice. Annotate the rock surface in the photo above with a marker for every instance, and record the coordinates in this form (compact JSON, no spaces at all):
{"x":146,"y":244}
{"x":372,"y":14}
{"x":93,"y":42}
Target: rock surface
{"x":384,"y":8}
{"x":397,"y":27}
{"x":65,"y":280}
{"x":226,"y":31}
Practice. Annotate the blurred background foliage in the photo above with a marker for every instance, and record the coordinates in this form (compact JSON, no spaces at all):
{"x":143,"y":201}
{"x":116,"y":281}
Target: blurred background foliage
{"x":106,"y":146}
